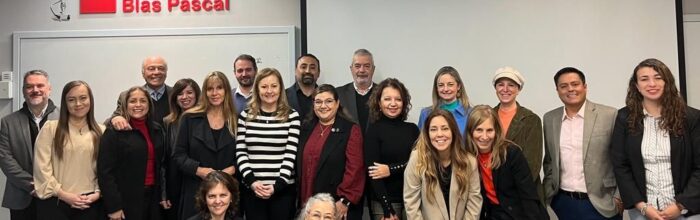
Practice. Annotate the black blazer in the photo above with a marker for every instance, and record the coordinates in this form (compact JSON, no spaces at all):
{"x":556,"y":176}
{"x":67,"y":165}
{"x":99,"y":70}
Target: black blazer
{"x":196,"y":147}
{"x":121,"y":168}
{"x":685,"y":162}
{"x":515,"y":188}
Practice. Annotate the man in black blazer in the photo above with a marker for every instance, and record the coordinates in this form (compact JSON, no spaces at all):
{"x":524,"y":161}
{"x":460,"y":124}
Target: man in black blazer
{"x":354,"y":96}
{"x":308,"y":69}
{"x":154,"y":70}
{"x":17,"y":136}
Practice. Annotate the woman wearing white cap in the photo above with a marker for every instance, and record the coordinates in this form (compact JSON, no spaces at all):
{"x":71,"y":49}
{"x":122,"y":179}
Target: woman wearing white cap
{"x":519,"y":124}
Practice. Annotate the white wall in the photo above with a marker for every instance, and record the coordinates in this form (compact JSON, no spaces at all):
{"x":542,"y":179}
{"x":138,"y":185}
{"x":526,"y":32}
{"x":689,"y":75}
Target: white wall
{"x":691,"y":28}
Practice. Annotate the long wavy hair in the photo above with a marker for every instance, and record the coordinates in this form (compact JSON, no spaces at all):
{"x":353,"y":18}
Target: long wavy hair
{"x":375,"y":100}
{"x":429,"y":160}
{"x":673,"y":106}
{"x":499,"y":148}
{"x":175,"y":109}
{"x":461,"y":94}
{"x":62,"y":131}
{"x":255,"y":102}
{"x":210,"y":181}
{"x":228,"y":108}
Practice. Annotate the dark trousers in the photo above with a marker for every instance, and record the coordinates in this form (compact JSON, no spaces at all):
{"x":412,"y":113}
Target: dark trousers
{"x":151,"y":206}
{"x":355,"y":211}
{"x":55,"y":209}
{"x":28,"y":213}
{"x":279,"y":206}
{"x":492,"y":211}
{"x":567,"y":207}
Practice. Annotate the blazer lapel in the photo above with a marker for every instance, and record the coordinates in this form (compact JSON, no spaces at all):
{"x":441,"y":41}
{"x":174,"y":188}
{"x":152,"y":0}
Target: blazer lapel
{"x":589,"y":121}
{"x":225,"y":139}
{"x":202,"y":134}
{"x":26,"y":136}
{"x":556,"y":132}
{"x":439,"y":198}
{"x":455,"y":197}
{"x":332,"y":143}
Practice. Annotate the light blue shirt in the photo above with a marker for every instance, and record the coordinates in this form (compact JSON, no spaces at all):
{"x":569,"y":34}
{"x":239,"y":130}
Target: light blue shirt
{"x":461,"y":116}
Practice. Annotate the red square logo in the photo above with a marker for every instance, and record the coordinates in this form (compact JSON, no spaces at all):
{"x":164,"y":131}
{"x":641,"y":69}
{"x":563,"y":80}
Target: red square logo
{"x":98,"y":6}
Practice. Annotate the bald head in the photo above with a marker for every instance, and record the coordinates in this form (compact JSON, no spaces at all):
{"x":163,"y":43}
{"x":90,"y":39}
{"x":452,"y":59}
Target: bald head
{"x":154,"y":70}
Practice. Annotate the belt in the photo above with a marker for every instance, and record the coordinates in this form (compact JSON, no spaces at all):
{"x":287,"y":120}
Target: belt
{"x":575,"y":195}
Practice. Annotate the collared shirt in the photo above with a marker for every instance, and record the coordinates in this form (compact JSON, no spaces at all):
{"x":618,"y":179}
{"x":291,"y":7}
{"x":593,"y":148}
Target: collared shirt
{"x":571,"y":152}
{"x":158,"y":92}
{"x":37,"y":120}
{"x":656,"y":154}
{"x":362,"y":92}
{"x":240,"y":100}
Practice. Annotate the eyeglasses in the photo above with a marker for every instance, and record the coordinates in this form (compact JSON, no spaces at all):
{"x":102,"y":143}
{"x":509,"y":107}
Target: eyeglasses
{"x":319,"y":103}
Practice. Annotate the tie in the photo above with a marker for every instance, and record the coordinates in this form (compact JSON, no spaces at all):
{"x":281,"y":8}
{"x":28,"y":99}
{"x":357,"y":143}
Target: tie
{"x":155,"y":95}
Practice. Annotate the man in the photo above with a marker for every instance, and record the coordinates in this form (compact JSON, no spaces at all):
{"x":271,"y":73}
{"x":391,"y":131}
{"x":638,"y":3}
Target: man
{"x":307,"y":72}
{"x":245,"y":69}
{"x":355,"y":95}
{"x":578,"y":176}
{"x":154,"y":70}
{"x":18,"y":132}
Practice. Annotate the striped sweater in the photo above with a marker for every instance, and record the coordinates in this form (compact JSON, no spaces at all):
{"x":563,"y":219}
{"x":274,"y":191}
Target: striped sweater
{"x":266,"y":148}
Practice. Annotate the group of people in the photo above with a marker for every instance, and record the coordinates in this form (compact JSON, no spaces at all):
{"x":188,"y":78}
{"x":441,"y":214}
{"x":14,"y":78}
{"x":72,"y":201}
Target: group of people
{"x":260,"y":151}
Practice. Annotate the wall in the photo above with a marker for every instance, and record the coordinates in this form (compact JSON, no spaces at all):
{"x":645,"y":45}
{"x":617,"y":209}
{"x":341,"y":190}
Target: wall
{"x":691,"y":28}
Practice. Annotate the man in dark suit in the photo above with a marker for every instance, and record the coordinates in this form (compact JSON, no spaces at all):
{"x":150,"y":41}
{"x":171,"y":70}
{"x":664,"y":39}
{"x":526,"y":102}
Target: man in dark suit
{"x":17,"y":135}
{"x":578,"y":176}
{"x":308,"y":69}
{"x":354,"y":96}
{"x":154,"y":70}
{"x":244,"y":69}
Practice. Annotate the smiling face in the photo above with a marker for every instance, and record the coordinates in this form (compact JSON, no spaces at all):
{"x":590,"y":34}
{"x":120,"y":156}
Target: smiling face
{"x":307,"y":71}
{"x":321,"y":211}
{"x":440,"y":134}
{"x":218,"y":200}
{"x":78,"y":101}
{"x":215,"y":92}
{"x":245,"y":72}
{"x":650,"y":84}
{"x":137,"y":104}
{"x":186,"y":98}
{"x":36,"y":90}
{"x":506,"y":90}
{"x":391,"y":102}
{"x":447,"y":88}
{"x":325,"y":107}
{"x":269,"y":90}
{"x":362,"y":69}
{"x":483,"y":135}
{"x":154,"y":71}
{"x":572,"y":90}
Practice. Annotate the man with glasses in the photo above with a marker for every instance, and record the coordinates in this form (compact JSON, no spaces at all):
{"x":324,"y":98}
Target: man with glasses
{"x":308,"y":70}
{"x":244,"y":68}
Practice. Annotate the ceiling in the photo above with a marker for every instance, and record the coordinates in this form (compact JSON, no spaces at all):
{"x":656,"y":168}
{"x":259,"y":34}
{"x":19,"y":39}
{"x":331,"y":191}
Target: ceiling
{"x":691,"y":7}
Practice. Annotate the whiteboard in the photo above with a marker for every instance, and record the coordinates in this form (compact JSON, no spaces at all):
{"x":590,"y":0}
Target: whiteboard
{"x":110,"y":60}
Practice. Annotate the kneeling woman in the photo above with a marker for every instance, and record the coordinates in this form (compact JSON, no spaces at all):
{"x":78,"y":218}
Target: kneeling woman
{"x":507,"y":186}
{"x":217,"y":197}
{"x":441,"y":180}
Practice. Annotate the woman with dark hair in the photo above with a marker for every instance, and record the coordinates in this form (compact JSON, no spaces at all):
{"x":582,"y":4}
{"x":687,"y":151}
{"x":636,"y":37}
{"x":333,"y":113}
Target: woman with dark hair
{"x":656,"y":147}
{"x":441,"y":180}
{"x":217,"y":197}
{"x":388,"y":143}
{"x":128,"y":166}
{"x":183,"y":96}
{"x":507,"y":186}
{"x":329,"y":159}
{"x":450,"y":95}
{"x":206,"y":139}
{"x":65,"y":156}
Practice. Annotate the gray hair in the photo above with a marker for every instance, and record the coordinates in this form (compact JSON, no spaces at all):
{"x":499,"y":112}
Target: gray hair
{"x":319,"y":197}
{"x":363,"y":52}
{"x":35,"y":73}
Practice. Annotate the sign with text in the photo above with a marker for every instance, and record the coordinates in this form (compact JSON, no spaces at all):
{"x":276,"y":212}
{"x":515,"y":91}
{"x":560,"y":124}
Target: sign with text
{"x":152,"y":6}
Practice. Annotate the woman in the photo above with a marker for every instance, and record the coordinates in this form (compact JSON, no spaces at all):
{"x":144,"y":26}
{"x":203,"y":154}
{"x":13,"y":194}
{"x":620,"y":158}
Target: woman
{"x":319,"y":207}
{"x":506,"y":184}
{"x":217,"y":197}
{"x":184,"y":96}
{"x":65,"y":156}
{"x":388,"y":143}
{"x":206,"y":139}
{"x":448,"y":94}
{"x":266,"y":148}
{"x":329,"y":158}
{"x":441,"y":180}
{"x":656,"y":147}
{"x":128,"y":166}
{"x":519,"y":124}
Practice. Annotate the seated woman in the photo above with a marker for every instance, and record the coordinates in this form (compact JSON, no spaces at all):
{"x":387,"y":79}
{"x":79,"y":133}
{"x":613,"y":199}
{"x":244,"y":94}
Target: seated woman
{"x":217,"y":197}
{"x":507,"y":186}
{"x":319,"y":207}
{"x":441,"y":180}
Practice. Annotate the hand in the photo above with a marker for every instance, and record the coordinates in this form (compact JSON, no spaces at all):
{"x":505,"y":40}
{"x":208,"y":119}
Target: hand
{"x":93,"y":197}
{"x":118,"y":215}
{"x":119,"y":123}
{"x":203,"y":171}
{"x":74,"y":200}
{"x":230,"y":170}
{"x":379,"y":171}
{"x":671,"y":212}
{"x":618,"y":205}
{"x":342,"y":210}
{"x":166,"y":204}
{"x":261,"y":190}
{"x":653,"y":213}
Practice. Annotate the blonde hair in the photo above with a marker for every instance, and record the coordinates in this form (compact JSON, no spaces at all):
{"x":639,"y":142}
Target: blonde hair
{"x":499,"y":148}
{"x":228,"y":109}
{"x":283,"y":108}
{"x":461,"y":94}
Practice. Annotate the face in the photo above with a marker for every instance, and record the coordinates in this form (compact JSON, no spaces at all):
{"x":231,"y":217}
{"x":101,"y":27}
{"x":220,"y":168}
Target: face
{"x":36,"y":90}
{"x":307,"y":71}
{"x":321,"y":211}
{"x":391,"y":103}
{"x":447,"y":88}
{"x":440,"y":134}
{"x":571,"y":89}
{"x":186,"y":98}
{"x":78,"y":100}
{"x":269,"y":90}
{"x":325,"y":106}
{"x":137,"y":105}
{"x":362,"y":69}
{"x":506,"y":90}
{"x":650,"y":84}
{"x":215,"y":92}
{"x":218,"y":200}
{"x":483,"y":136}
{"x":154,"y":71}
{"x":245,"y":73}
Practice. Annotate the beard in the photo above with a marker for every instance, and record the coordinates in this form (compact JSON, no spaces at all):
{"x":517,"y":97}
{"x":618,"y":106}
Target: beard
{"x":307,"y":79}
{"x":245,"y":81}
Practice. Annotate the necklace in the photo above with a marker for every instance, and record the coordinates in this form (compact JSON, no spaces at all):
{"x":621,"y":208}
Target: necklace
{"x":80,"y":128}
{"x":324,"y":129}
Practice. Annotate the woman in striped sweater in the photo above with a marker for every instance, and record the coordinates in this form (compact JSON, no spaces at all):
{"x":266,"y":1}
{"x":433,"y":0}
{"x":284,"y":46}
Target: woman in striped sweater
{"x":268,"y":136}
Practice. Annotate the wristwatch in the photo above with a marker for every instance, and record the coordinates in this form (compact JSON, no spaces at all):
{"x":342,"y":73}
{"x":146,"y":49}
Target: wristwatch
{"x":344,"y":201}
{"x":682,"y":208}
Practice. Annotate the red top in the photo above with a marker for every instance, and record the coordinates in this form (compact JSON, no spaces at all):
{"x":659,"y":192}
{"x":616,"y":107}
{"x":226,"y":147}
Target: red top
{"x":140,"y":125}
{"x":487,"y":177}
